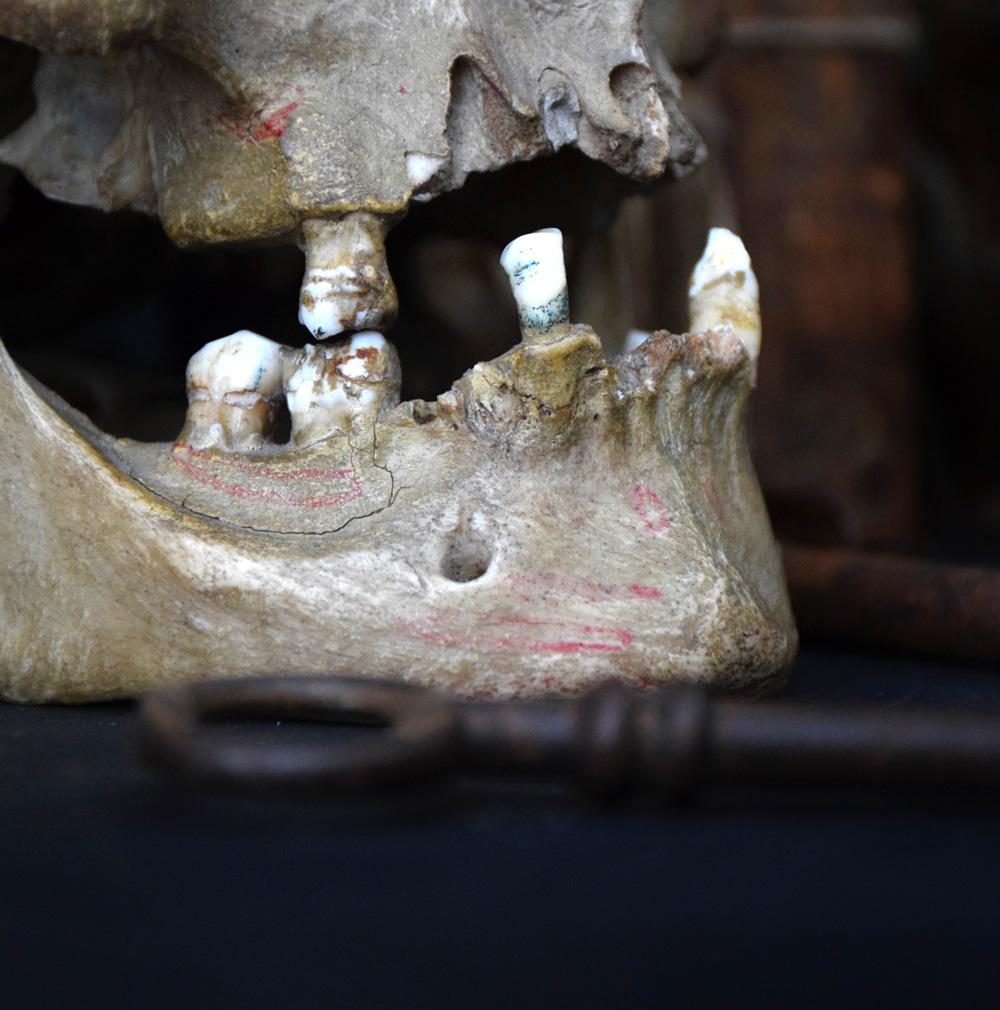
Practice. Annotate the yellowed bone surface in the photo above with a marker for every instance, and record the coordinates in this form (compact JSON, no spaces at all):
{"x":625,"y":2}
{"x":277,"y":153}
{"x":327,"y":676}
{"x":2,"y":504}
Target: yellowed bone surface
{"x":552,"y":520}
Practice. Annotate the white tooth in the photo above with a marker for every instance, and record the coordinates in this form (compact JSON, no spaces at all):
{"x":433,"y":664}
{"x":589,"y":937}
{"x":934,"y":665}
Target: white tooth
{"x":634,"y":339}
{"x":724,"y":290}
{"x":234,"y":393}
{"x":347,"y":285}
{"x":341,"y":387}
{"x":537,"y":272}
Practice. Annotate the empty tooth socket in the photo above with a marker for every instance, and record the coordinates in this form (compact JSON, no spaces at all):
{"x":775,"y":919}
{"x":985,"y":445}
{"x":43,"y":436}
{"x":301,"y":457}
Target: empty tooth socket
{"x":234,"y":393}
{"x":340,"y":388}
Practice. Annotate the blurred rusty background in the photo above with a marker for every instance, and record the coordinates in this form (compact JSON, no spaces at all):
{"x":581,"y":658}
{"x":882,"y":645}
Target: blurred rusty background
{"x":853,"y":144}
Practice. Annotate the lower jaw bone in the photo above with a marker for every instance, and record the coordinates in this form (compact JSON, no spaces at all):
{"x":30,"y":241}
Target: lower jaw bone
{"x":552,"y":520}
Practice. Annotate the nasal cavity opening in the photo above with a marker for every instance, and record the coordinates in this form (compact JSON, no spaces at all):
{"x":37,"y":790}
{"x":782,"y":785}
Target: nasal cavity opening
{"x":467,"y":556}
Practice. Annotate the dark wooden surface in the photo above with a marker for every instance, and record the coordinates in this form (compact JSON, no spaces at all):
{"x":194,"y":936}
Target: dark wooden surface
{"x":819,"y":161}
{"x":120,"y":889}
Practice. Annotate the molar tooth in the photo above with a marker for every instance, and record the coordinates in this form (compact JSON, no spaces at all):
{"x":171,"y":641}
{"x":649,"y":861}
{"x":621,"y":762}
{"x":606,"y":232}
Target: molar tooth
{"x":234,"y":393}
{"x":341,"y":387}
{"x":347,"y":285}
{"x":534,"y":263}
{"x":724,"y":290}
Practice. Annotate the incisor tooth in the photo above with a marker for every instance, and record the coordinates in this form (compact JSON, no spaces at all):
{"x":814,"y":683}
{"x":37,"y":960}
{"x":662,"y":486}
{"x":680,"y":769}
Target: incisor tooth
{"x":234,"y":393}
{"x":537,"y":272}
{"x":347,"y":285}
{"x":724,"y":290}
{"x":343,"y":387}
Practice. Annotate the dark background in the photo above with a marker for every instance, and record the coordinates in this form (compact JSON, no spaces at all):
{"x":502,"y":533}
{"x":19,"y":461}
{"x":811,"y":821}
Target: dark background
{"x":854,"y":147}
{"x":121,"y":889}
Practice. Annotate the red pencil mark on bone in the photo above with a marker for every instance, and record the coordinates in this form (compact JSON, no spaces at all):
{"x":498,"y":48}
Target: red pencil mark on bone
{"x":188,"y":460}
{"x":650,"y":509}
{"x":256,"y":127}
{"x":520,"y":634}
{"x":712,"y":494}
{"x":538,"y":585}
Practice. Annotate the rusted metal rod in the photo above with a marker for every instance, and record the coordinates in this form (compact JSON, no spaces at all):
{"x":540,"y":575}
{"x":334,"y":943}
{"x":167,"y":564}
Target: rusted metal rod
{"x":612,"y":739}
{"x":896,"y":602}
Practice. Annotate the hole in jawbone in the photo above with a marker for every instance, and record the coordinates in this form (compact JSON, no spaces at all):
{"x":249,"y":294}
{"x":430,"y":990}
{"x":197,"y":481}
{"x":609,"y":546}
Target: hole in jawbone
{"x":467,"y":556}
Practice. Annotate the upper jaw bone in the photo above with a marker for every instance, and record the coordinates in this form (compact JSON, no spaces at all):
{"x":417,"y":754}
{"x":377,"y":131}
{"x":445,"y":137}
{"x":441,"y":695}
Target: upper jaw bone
{"x":344,"y":387}
{"x":234,"y":393}
{"x":724,"y":291}
{"x":347,"y":285}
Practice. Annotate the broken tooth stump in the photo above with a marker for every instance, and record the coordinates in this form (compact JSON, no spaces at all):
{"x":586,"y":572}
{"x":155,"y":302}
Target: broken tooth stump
{"x":234,"y":393}
{"x":347,"y":285}
{"x":341,"y":388}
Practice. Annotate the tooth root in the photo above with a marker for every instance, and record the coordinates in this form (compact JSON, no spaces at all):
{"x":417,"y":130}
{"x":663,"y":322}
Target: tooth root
{"x":343,"y":387}
{"x":234,"y":393}
{"x":347,"y":285}
{"x":724,"y":291}
{"x":537,"y":272}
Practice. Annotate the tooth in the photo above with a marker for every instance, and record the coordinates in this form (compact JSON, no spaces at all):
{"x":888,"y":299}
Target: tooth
{"x":342,"y":387}
{"x":234,"y":393}
{"x":534,"y":264}
{"x":724,"y":290}
{"x":347,"y":285}
{"x":634,"y":339}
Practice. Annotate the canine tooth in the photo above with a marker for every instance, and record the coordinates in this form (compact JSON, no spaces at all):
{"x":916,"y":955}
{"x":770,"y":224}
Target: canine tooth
{"x":724,"y":290}
{"x":347,"y":285}
{"x":234,"y":393}
{"x":537,"y":272}
{"x":340,"y":387}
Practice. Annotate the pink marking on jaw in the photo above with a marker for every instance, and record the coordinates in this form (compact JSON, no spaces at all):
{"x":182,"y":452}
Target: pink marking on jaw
{"x":712,"y":494}
{"x":264,"y":469}
{"x":534,"y":586}
{"x":615,"y":638}
{"x":650,"y":509}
